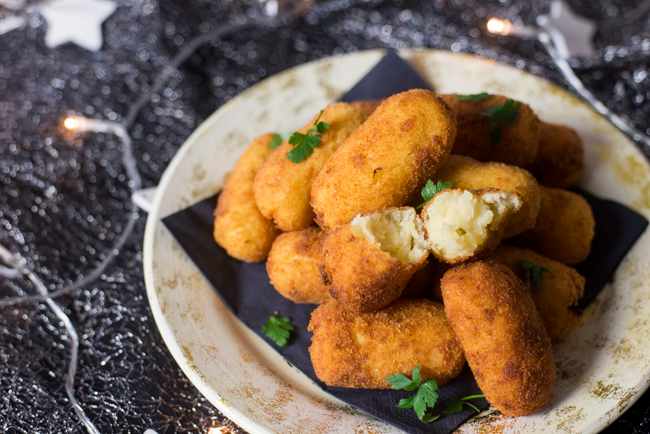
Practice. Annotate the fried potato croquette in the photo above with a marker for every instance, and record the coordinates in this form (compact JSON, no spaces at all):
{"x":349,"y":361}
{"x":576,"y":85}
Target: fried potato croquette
{"x":463,"y":224}
{"x":559,"y":160}
{"x":239,"y":227}
{"x":469,"y":174}
{"x":556,"y":299}
{"x":386,"y":160}
{"x":360,"y":350}
{"x":518,"y":144}
{"x":293,"y":266}
{"x":502,"y":335}
{"x":564,"y":229}
{"x":368,"y":262}
{"x":283,"y":188}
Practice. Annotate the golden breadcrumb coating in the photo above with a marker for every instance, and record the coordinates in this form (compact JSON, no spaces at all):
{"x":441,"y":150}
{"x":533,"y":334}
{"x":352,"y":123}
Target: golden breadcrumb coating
{"x":564,"y":229}
{"x":555,"y":300}
{"x":239,"y":227}
{"x":283,"y":188}
{"x":360,"y":350}
{"x":502,"y":334}
{"x":461,"y":224}
{"x":293,"y":266}
{"x":368,"y":262}
{"x":519,"y":142}
{"x":469,"y":174}
{"x":386,"y":160}
{"x":559,"y":160}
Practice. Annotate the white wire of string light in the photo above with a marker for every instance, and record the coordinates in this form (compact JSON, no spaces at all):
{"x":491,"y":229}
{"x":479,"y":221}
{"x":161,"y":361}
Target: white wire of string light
{"x":16,"y":265}
{"x":16,"y":269}
{"x":81,"y":124}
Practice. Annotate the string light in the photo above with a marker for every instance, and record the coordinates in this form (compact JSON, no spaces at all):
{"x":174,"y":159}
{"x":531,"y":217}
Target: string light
{"x":507,"y":27}
{"x":555,"y":45}
{"x":16,"y":265}
{"x":496,"y":25}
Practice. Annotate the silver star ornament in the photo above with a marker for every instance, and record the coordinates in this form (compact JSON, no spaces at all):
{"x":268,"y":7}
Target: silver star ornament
{"x":76,"y":21}
{"x":572,"y":34}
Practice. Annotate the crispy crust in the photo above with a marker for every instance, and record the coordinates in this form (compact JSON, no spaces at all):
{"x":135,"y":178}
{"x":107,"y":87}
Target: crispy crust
{"x":502,"y":335}
{"x":469,"y":174}
{"x":283,"y":188}
{"x":564,"y":229}
{"x":519,"y":142}
{"x":386,"y":159}
{"x":360,"y":275}
{"x":361,"y":350}
{"x":488,"y":245}
{"x":239,"y":227}
{"x":559,"y":160}
{"x":560,"y":292}
{"x":293,"y":266}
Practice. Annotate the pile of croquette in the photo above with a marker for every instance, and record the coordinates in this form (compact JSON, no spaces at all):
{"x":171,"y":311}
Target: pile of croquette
{"x":428,"y":233}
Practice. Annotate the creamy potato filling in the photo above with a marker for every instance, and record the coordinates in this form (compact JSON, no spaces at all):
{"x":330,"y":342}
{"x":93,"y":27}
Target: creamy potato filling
{"x":394,"y":230}
{"x":459,"y":222}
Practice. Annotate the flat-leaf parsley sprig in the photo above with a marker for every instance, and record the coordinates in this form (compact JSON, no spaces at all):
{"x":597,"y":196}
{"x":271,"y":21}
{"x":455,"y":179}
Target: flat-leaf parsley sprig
{"x":277,"y":139}
{"x":278,"y":329}
{"x":476,"y":97}
{"x":537,"y":272}
{"x":455,"y":405}
{"x":426,"y":395}
{"x":304,"y":144}
{"x":431,"y":189}
{"x":499,"y":115}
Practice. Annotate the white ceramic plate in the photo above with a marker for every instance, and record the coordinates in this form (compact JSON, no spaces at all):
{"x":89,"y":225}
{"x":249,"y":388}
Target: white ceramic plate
{"x":602,"y":368}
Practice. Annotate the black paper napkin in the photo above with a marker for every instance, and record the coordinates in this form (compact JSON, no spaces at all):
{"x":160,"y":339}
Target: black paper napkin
{"x":246,"y":290}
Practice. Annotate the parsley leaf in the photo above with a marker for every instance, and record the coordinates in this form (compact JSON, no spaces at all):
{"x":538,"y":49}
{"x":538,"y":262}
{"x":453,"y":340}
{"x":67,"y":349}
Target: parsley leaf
{"x":277,"y":140}
{"x":537,"y":271}
{"x":476,"y":97}
{"x":277,"y":329}
{"x":431,"y":189}
{"x":500,"y":114}
{"x":426,"y":395}
{"x":428,"y":417}
{"x":304,"y":144}
{"x":455,"y":405}
{"x":400,"y":381}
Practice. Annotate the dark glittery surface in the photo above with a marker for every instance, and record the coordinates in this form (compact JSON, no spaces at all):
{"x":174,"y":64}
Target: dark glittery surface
{"x":64,"y":199}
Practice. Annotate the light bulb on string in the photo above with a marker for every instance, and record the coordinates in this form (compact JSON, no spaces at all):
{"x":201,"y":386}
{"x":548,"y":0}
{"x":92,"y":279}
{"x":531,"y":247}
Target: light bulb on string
{"x":565,"y":35}
{"x":507,"y":27}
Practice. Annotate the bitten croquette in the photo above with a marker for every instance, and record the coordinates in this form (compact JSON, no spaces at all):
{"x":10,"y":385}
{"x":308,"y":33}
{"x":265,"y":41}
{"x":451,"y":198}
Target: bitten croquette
{"x":460,"y":225}
{"x":368,"y":262}
{"x":469,"y":174}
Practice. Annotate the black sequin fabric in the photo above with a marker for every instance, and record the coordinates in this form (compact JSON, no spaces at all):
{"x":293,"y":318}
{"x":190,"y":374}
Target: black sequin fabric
{"x":64,"y":198}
